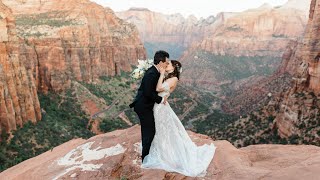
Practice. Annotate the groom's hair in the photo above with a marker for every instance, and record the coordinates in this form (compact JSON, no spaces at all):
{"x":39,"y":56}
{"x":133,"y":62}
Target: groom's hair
{"x":160,"y":56}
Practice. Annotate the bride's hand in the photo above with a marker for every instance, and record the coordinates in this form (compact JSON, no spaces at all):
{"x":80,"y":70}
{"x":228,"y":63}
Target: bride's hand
{"x":162,"y":70}
{"x":165,"y":100}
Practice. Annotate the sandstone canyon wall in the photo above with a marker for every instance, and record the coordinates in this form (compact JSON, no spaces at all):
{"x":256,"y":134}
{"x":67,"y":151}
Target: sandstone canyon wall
{"x":292,"y":113}
{"x":173,"y":33}
{"x":157,"y":27}
{"x":300,"y":61}
{"x":18,"y":93}
{"x":264,"y":31}
{"x":258,"y":91}
{"x":67,"y":40}
{"x":250,"y":43}
{"x":301,"y":103}
{"x":308,"y":52}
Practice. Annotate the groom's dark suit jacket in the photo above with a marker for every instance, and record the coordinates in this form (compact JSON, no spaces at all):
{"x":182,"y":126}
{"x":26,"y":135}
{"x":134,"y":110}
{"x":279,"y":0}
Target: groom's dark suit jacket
{"x":147,"y":94}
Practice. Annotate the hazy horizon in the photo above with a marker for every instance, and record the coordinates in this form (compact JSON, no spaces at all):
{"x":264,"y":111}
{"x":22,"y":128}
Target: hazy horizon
{"x":198,"y":8}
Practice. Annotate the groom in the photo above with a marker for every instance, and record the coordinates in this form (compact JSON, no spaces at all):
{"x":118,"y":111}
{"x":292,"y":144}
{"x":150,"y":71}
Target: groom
{"x":146,"y":97}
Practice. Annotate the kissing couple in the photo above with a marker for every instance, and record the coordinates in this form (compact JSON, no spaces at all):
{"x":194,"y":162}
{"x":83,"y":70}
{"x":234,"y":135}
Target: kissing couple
{"x":165,"y":142}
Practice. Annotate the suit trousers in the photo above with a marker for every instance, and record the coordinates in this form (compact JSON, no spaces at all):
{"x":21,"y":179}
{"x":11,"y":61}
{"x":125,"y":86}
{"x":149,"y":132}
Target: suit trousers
{"x":147,"y":130}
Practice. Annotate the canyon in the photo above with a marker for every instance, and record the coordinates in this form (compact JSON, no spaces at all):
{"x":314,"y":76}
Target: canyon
{"x":253,"y":41}
{"x":155,"y":27}
{"x":283,"y":107}
{"x":45,"y":45}
{"x":61,"y":41}
{"x":245,"y":47}
{"x":268,"y":57}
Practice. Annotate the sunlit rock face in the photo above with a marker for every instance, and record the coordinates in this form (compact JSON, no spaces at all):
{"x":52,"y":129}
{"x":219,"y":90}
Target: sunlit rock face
{"x":116,"y":155}
{"x":156,"y":27}
{"x":18,"y":93}
{"x":249,"y":44}
{"x":303,"y":98}
{"x":73,"y":40}
{"x":309,"y":50}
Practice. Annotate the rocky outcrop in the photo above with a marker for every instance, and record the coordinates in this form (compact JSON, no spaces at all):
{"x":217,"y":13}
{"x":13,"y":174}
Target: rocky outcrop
{"x":18,"y":94}
{"x":247,"y":45}
{"x":157,"y":27}
{"x":116,"y":155}
{"x":293,"y":112}
{"x":254,"y":95}
{"x":301,"y":103}
{"x":73,"y":40}
{"x":308,"y":52}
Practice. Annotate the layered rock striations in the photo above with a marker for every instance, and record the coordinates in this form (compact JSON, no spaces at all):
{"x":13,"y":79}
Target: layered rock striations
{"x":161,"y":28}
{"x":249,"y":44}
{"x":264,"y":31}
{"x":300,"y":105}
{"x":292,"y":113}
{"x":18,"y":93}
{"x":73,"y":40}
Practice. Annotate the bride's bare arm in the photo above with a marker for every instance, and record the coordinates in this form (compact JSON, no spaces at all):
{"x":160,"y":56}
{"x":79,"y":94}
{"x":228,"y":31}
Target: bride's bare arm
{"x":160,"y":82}
{"x":172,"y":83}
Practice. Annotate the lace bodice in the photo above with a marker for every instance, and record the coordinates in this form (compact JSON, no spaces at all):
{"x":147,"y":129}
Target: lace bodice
{"x":166,"y":88}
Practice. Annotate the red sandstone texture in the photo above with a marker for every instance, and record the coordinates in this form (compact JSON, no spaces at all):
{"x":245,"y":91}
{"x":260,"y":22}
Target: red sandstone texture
{"x":69,"y":40}
{"x":18,"y":93}
{"x":116,"y":155}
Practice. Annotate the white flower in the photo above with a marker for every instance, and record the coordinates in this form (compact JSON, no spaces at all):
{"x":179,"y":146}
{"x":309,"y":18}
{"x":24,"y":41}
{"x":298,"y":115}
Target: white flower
{"x":142,"y":67}
{"x":136,"y":70}
{"x":180,"y":70}
{"x":136,"y":74}
{"x":141,"y":64}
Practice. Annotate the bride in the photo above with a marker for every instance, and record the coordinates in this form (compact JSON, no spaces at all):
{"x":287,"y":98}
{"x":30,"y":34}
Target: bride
{"x":172,"y":149}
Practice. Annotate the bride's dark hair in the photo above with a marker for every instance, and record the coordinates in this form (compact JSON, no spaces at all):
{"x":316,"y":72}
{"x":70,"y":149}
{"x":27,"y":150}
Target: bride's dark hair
{"x":177,"y":70}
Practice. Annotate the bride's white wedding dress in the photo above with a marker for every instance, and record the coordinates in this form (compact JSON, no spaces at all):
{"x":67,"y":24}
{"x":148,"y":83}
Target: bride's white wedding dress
{"x":172,"y":149}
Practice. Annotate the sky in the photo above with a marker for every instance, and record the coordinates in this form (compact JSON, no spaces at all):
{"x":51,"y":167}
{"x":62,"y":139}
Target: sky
{"x":199,"y":8}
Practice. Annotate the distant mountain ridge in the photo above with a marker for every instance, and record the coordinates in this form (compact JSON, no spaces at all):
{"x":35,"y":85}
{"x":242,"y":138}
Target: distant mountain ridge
{"x":256,"y":37}
{"x":173,"y":32}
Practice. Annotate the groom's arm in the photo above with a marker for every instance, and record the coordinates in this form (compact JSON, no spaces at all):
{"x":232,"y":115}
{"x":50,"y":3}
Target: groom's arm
{"x":149,"y":83}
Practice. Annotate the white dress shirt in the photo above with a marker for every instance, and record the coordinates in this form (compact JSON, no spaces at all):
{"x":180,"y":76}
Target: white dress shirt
{"x":156,"y":68}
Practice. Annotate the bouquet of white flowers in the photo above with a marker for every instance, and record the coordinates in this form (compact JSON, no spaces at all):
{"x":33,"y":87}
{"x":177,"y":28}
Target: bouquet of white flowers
{"x":142,"y":67}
